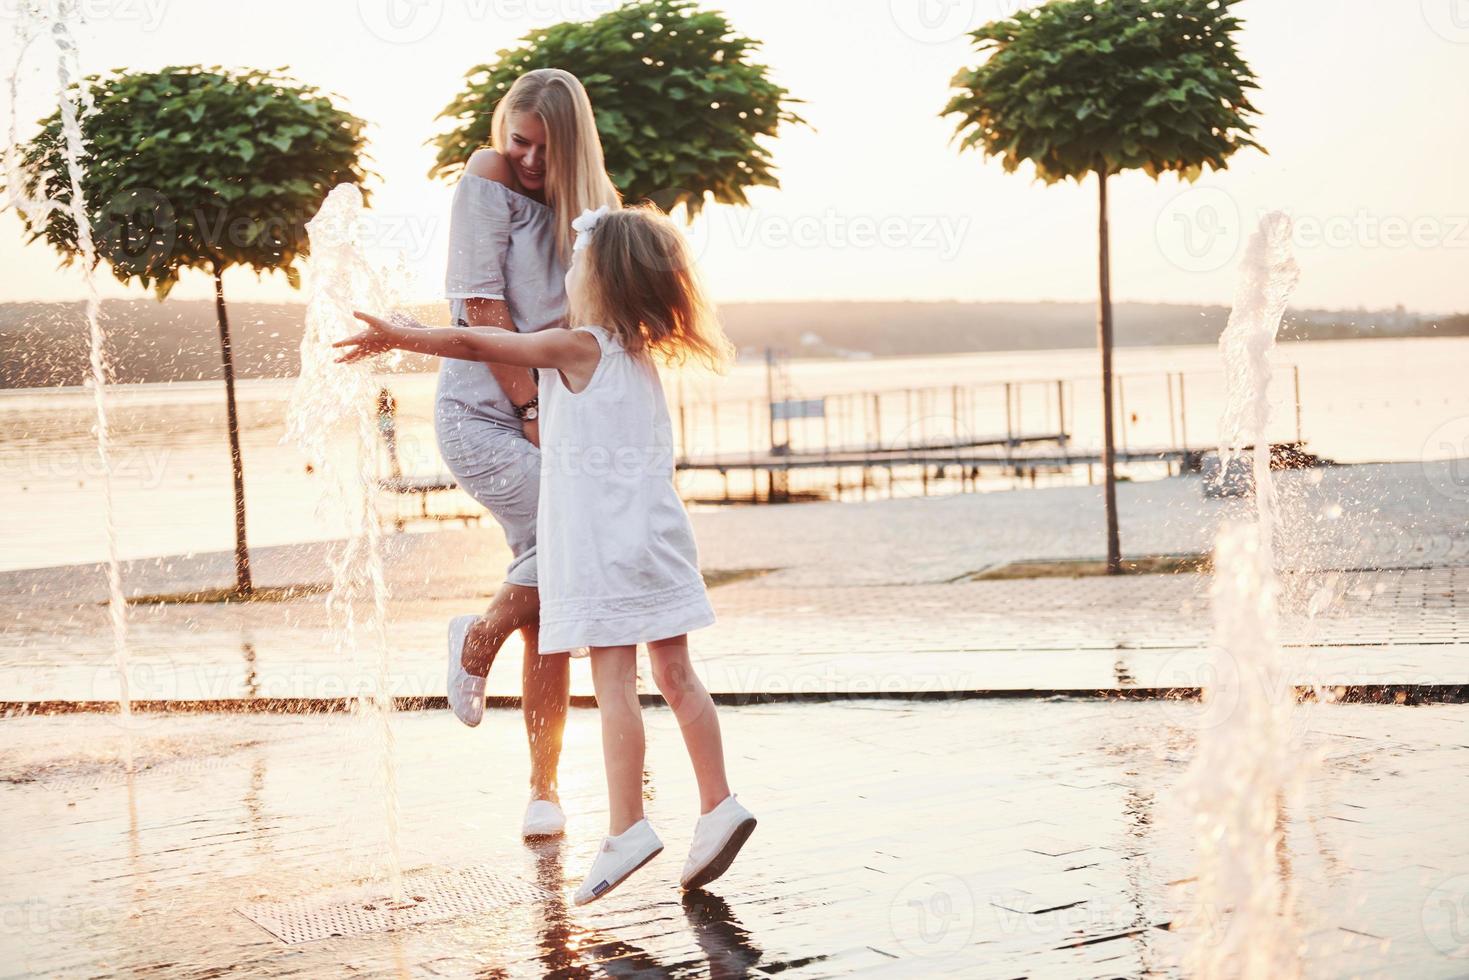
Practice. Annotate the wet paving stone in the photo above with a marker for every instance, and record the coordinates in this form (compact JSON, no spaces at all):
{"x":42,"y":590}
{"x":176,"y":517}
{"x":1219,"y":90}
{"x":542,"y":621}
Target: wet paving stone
{"x":975,"y":839}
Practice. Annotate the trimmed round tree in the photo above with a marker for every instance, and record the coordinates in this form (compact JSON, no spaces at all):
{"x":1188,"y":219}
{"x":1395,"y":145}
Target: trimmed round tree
{"x":1078,"y":87}
{"x":679,"y":104}
{"x":199,"y":168}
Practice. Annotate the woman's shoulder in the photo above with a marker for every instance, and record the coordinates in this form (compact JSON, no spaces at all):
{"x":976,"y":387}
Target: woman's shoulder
{"x":486,"y":162}
{"x":489,"y":174}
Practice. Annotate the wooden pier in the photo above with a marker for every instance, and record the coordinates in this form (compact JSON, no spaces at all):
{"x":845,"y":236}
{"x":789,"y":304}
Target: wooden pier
{"x":1020,"y":457}
{"x":786,"y":446}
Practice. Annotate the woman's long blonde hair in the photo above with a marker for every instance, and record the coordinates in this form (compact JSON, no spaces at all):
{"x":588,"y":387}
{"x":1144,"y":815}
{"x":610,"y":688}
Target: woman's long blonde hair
{"x":576,"y":172}
{"x":642,"y":285}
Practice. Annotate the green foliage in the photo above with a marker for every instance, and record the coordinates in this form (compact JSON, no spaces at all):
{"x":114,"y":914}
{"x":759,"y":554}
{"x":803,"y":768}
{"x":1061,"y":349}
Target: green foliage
{"x":1082,"y":86}
{"x":678,"y":105}
{"x":199,"y":168}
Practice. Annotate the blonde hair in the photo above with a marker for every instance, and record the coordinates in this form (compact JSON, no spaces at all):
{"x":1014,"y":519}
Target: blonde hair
{"x":576,"y":172}
{"x":642,"y":285}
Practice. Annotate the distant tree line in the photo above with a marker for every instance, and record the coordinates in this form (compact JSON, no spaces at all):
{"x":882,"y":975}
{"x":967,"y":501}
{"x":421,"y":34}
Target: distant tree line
{"x":43,"y":344}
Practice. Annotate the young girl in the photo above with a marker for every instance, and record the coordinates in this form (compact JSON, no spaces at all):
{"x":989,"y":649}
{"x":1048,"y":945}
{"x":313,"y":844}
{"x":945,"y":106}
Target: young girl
{"x":618,"y":563}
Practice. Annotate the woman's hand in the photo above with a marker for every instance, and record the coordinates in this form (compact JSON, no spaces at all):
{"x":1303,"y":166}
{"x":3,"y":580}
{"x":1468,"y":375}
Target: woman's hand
{"x":379,"y":337}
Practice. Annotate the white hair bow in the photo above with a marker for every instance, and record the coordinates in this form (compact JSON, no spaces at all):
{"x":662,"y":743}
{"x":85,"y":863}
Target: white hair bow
{"x":585,"y":225}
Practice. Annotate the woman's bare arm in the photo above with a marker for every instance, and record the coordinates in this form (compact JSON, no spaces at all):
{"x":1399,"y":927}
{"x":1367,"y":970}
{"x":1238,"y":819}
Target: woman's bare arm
{"x":515,"y":381}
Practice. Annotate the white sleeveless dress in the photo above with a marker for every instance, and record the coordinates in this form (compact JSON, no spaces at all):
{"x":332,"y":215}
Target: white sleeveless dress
{"x":618,"y":562}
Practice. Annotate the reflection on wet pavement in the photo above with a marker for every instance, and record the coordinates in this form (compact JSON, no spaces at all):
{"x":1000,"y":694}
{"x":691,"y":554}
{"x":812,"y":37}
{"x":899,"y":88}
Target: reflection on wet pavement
{"x":968,"y":839}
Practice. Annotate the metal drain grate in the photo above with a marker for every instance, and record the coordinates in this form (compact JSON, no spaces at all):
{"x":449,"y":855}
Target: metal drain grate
{"x":430,"y":897}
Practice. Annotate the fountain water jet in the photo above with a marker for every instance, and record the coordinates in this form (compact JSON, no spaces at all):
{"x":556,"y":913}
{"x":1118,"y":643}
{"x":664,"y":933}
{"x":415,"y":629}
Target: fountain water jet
{"x":59,"y":19}
{"x":334,"y":403}
{"x":1246,"y":766}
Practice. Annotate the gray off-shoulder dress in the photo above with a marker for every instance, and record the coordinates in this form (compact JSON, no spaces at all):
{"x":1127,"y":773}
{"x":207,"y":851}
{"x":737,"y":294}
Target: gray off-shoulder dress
{"x":502,"y":245}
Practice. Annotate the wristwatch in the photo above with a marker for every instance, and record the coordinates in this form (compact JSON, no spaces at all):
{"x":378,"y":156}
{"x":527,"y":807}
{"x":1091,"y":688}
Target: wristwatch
{"x":530,"y":411}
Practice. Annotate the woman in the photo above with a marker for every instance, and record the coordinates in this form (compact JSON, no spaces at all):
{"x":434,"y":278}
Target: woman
{"x":509,"y":246}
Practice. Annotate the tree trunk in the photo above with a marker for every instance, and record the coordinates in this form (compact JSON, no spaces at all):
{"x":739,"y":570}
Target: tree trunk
{"x":243,"y":584}
{"x":1104,"y":340}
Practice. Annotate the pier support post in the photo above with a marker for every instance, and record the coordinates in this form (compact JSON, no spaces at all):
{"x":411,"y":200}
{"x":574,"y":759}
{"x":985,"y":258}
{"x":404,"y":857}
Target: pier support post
{"x":1296,"y":372}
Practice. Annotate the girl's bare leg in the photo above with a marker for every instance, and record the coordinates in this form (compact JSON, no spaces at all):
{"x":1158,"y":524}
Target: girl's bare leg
{"x":694,"y":709}
{"x":614,"y":675}
{"x":546,"y":690}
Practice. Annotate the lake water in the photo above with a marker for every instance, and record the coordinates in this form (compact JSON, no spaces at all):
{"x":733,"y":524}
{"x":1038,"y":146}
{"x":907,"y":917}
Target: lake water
{"x":1359,"y":401}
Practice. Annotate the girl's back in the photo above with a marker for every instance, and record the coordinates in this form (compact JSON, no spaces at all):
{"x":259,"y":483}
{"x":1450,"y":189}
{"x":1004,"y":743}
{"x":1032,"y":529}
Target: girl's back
{"x":618,"y":562}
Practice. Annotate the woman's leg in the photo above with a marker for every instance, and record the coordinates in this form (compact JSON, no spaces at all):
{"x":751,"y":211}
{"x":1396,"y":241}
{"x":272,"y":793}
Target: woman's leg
{"x":513,"y":607}
{"x":546,"y":690}
{"x":694,"y":709}
{"x":614,"y":675}
{"x":501,"y":470}
{"x":545,"y":681}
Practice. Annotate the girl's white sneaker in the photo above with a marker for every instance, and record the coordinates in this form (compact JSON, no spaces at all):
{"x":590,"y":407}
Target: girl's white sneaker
{"x":718,"y":837}
{"x":618,"y":858}
{"x":542,"y":819}
{"x":466,"y":691}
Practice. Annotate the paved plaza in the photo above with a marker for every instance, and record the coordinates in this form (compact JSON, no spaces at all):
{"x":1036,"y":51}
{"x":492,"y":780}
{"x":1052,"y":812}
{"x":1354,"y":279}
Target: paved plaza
{"x":1009,"y":800}
{"x":873,"y":597}
{"x":977,"y":839}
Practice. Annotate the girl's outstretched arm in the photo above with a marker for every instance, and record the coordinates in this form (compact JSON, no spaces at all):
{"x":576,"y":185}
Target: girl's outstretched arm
{"x":574,"y":352}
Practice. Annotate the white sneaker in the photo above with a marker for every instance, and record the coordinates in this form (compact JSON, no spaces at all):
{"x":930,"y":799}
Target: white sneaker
{"x":618,"y":858}
{"x":542,"y":819}
{"x":718,"y":837}
{"x":466,"y":691}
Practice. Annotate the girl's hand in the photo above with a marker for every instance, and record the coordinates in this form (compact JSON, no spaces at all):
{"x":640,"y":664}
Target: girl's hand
{"x":379,"y":337}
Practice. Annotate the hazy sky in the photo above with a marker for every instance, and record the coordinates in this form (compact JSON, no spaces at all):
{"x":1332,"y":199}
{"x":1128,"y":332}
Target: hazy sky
{"x":1364,"y":106}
